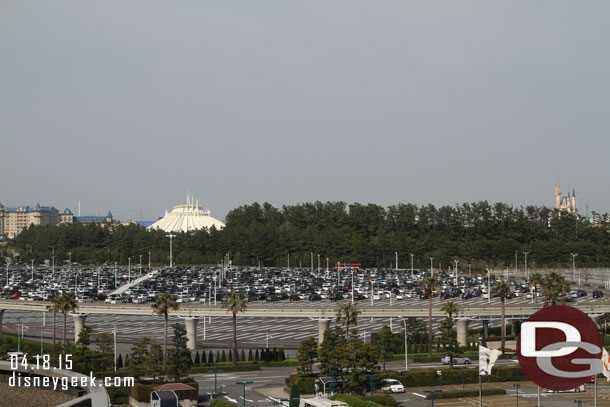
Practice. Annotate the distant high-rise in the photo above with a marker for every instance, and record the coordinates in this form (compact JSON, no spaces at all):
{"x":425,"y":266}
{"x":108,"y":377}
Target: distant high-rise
{"x":14,"y":220}
{"x":565,"y":203}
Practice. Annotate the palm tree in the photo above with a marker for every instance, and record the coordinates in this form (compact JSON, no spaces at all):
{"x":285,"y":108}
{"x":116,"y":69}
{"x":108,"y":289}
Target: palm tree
{"x":450,"y":308}
{"x":535,"y":280}
{"x":235,"y":303}
{"x":347,"y":314}
{"x":163,"y":304}
{"x":67,"y":304}
{"x":554,"y":288}
{"x":502,"y":288}
{"x":54,"y":308}
{"x":429,"y":284}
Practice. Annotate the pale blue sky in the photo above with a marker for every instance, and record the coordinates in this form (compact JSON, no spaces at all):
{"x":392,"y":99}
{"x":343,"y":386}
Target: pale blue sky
{"x":127,"y":104}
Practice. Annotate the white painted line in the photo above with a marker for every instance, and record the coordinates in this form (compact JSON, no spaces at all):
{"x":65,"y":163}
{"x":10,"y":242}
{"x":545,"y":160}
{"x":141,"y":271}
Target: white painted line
{"x":419,"y":395}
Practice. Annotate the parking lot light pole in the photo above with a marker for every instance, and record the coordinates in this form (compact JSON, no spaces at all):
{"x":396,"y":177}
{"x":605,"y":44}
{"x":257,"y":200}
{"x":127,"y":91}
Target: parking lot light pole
{"x":371,"y":376}
{"x":140,"y":266}
{"x":318,"y":264}
{"x":411,"y":254}
{"x":171,"y":249}
{"x":129,"y":270}
{"x":574,"y":267}
{"x":527,"y":274}
{"x":311,"y":261}
{"x":352,"y":288}
{"x":404,"y":321}
{"x":431,"y":265}
{"x":396,"y":253}
{"x":516,"y":386}
{"x":244,"y":384}
{"x":432,"y":392}
{"x":488,"y":285}
{"x":215,"y":381}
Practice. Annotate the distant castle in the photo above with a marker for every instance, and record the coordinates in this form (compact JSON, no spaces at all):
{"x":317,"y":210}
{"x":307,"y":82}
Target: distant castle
{"x":565,"y":203}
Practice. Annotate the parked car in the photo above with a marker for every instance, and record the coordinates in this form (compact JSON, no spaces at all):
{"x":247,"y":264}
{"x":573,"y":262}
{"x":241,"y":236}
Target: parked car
{"x":598,"y":294}
{"x":578,"y":389}
{"x":392,"y":385}
{"x":457,"y":360}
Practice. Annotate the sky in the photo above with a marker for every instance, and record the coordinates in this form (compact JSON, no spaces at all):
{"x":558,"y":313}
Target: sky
{"x":127,"y":105}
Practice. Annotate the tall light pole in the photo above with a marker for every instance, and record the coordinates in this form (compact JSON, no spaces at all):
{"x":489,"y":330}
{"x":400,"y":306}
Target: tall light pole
{"x":404,"y":321}
{"x":215,"y":382}
{"x":455,"y":271}
{"x":318,"y":264}
{"x":244,"y":384}
{"x":311,"y":261}
{"x":396,"y":263}
{"x":149,"y":261}
{"x":488,"y":285}
{"x":371,"y":376}
{"x":288,"y":260}
{"x":516,"y":262}
{"x":115,"y":276}
{"x":431,"y":266}
{"x":327,"y":264}
{"x":32,"y":270}
{"x":140,"y":266}
{"x":527,"y":274}
{"x":573,"y":265}
{"x":352,"y":287}
{"x":70,"y":261}
{"x":171,"y":250}
{"x":114,"y":334}
{"x":412,"y":275}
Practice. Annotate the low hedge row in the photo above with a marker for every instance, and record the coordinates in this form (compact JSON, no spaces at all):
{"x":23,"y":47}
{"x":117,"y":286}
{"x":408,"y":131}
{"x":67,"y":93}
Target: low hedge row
{"x":430,"y":377}
{"x":384,"y":399}
{"x":222,"y":403}
{"x":354,"y":401}
{"x":238,"y":368}
{"x":465,"y":393}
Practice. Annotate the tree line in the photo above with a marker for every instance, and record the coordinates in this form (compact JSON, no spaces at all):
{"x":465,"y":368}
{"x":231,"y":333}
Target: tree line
{"x":480,"y":234}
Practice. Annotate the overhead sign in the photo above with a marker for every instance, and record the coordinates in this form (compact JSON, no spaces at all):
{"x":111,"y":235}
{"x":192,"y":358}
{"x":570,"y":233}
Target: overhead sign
{"x":559,"y":348}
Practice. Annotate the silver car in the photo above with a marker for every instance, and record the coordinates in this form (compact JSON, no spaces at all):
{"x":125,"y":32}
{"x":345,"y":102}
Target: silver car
{"x":457,"y":360}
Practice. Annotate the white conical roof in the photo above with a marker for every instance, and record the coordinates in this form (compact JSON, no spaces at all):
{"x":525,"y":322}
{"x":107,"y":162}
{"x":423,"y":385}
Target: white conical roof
{"x":184,"y":218}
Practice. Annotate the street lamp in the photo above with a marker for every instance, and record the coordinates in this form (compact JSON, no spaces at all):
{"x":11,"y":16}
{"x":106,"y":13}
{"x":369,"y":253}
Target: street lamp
{"x":431,"y":265}
{"x":70,"y":261}
{"x":396,"y":253}
{"x":371,"y":376}
{"x":244,"y":384}
{"x":140,"y":266}
{"x":404,"y":321}
{"x":488,"y":285}
{"x":171,"y":250}
{"x":411,"y":254}
{"x":311,"y":261}
{"x":352,"y":287}
{"x":527,"y":274}
{"x":215,"y":382}
{"x":432,"y":392}
{"x":516,"y":386}
{"x":333,"y":369}
{"x":574,"y":267}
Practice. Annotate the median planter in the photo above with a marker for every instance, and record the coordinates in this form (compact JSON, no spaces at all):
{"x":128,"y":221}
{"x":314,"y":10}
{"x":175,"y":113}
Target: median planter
{"x":465,"y":393}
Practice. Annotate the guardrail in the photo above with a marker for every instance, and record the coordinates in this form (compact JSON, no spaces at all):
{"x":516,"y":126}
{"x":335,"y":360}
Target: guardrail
{"x":477,"y":311}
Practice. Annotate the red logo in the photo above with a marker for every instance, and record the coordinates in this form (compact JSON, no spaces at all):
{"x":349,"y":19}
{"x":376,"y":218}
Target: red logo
{"x":559,"y":348}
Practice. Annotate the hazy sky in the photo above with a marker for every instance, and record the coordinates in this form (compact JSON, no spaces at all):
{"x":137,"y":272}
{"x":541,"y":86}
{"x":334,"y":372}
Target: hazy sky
{"x":124,"y":105}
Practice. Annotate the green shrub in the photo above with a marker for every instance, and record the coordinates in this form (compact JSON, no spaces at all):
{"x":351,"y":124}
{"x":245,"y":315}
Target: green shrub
{"x":384,"y":399}
{"x":222,"y":403}
{"x":306,"y":385}
{"x":465,"y":393}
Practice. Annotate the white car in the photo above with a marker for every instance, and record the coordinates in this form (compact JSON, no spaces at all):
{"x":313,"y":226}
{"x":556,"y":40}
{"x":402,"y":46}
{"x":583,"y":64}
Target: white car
{"x":393,"y":385}
{"x":578,"y":389}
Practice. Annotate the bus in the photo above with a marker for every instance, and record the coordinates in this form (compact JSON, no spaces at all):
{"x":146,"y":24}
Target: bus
{"x":321,"y":402}
{"x":350,"y":266}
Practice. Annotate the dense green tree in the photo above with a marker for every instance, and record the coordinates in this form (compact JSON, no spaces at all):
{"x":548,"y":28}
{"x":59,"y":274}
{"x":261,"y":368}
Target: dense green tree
{"x":333,"y":350}
{"x":84,"y":337}
{"x":306,"y":356}
{"x":67,"y":304}
{"x":179,"y":357}
{"x":448,"y":339}
{"x":386,"y":342}
{"x":153,"y":365}
{"x":138,"y":356}
{"x":105,"y":345}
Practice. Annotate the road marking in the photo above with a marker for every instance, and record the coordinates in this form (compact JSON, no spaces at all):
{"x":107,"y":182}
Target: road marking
{"x":231,"y":400}
{"x":419,"y":395}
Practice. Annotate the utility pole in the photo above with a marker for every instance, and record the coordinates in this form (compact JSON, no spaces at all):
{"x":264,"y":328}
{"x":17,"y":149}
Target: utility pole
{"x":412,"y":265}
{"x":527,"y":274}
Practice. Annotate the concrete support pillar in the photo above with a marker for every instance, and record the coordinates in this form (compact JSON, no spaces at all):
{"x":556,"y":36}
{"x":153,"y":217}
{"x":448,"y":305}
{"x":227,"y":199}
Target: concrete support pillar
{"x":1,"y":312}
{"x":323,"y":325}
{"x":79,"y":323}
{"x":462,"y":332}
{"x":191,"y":332}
